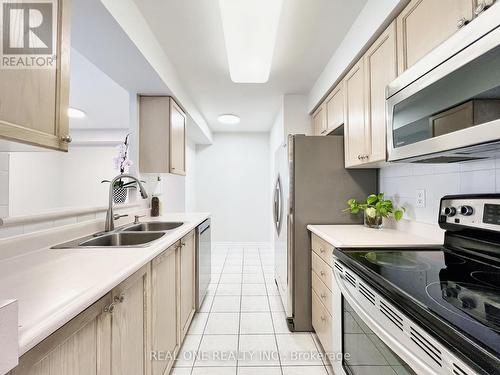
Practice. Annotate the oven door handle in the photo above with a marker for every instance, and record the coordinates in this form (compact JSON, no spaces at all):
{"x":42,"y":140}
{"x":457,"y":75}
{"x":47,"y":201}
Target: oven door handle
{"x":419,"y":366}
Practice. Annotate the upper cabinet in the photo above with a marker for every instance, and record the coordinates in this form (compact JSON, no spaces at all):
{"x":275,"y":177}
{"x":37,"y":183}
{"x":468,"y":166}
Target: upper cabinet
{"x":162,"y":133}
{"x":365,"y":126}
{"x":424,"y":24}
{"x":319,"y":121}
{"x":335,"y":108}
{"x":34,"y":75}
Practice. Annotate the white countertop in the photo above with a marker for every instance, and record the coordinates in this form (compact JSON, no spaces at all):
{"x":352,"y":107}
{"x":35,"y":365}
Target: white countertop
{"x":359,"y":236}
{"x":54,"y":286}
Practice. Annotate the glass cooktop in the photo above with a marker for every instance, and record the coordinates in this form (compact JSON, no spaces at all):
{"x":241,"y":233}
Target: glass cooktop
{"x":461,"y":290}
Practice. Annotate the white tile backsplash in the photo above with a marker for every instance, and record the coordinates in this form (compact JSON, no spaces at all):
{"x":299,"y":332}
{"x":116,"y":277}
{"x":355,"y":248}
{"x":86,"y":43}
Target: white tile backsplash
{"x":401,"y":181}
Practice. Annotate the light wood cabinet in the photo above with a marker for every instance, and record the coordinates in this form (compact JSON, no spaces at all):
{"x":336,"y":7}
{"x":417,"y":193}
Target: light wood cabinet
{"x":319,"y":121}
{"x":165,"y":320}
{"x":34,"y":101}
{"x":424,"y":24}
{"x":162,"y":136}
{"x":334,"y":104}
{"x":77,"y":348}
{"x":380,"y":70}
{"x":187,"y":281}
{"x":128,"y":325}
{"x":365,"y":85}
{"x":356,"y":130}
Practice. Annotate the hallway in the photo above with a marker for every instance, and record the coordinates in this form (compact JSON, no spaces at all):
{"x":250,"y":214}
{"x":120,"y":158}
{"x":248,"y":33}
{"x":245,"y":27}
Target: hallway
{"x":241,"y":326}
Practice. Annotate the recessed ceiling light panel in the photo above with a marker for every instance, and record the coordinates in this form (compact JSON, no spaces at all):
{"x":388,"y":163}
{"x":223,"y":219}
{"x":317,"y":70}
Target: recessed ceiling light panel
{"x":76,"y":113}
{"x":229,"y":119}
{"x":250,"y":28}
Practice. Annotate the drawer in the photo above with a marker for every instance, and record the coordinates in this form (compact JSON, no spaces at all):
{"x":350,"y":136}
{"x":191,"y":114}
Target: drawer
{"x":322,"y":323}
{"x":323,"y":249}
{"x":324,"y":294}
{"x":323,"y":270}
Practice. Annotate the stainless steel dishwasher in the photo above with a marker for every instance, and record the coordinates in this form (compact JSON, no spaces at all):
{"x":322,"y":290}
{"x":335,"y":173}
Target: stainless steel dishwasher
{"x":203,"y":261}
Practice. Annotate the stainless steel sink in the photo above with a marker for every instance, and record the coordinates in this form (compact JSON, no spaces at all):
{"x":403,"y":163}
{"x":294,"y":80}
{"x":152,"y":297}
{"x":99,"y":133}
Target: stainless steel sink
{"x":152,"y":226}
{"x":122,"y":239}
{"x":113,"y":239}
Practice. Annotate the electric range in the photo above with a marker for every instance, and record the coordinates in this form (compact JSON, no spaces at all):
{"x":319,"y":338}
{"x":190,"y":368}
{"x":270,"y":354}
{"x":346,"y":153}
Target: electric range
{"x":451,"y":293}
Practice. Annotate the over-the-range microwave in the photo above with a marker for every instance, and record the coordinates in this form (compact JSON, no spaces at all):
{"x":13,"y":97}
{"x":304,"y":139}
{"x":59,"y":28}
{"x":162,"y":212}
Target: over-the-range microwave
{"x":446,"y":108}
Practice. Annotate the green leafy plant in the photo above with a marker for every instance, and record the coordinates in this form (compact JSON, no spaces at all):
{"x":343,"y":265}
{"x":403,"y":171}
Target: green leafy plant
{"x":375,"y":206}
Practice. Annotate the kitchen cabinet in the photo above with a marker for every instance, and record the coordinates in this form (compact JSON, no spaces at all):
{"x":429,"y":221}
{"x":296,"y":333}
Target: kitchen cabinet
{"x":380,"y":70}
{"x":424,"y":24}
{"x":365,"y":84}
{"x":334,"y":104}
{"x":162,"y":135}
{"x":34,"y":101}
{"x":75,"y":349}
{"x":321,"y":292}
{"x":187,"y":281}
{"x":319,"y":121}
{"x":165,"y":320}
{"x":356,"y":131}
{"x":128,"y":325}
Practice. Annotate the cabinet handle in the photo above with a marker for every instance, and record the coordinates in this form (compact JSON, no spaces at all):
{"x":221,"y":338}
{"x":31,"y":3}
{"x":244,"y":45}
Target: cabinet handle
{"x":481,"y":7}
{"x":119,"y":299}
{"x":462,"y":22}
{"x":323,"y":296}
{"x":183,"y":244}
{"x":110,"y":308}
{"x":323,"y":319}
{"x":359,"y":157}
{"x":322,"y":273}
{"x":321,"y":250}
{"x":66,"y":139}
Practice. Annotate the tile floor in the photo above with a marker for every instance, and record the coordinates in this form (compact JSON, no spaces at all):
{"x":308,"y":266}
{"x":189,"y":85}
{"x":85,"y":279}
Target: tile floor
{"x":241,"y":326}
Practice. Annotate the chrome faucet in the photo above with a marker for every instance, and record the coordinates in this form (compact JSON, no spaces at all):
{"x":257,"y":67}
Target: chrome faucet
{"x":110,"y":217}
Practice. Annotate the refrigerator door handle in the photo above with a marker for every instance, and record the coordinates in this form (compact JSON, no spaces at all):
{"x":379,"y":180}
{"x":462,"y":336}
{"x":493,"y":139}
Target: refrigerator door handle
{"x":278,"y":205}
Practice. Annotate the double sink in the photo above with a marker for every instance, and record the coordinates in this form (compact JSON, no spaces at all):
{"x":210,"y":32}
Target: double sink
{"x":133,"y":235}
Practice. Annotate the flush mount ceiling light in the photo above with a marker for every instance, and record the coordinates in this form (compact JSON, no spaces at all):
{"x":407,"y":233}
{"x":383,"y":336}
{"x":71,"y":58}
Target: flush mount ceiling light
{"x":228,"y":119}
{"x":76,"y":113}
{"x":250,"y":28}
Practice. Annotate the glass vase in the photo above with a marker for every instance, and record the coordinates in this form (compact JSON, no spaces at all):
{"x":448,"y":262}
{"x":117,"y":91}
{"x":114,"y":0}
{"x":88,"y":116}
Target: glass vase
{"x":373,"y":220}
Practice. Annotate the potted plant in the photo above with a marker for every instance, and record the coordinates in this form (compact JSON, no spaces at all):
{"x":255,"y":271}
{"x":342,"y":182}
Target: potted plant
{"x":375,"y":209}
{"x":122,"y":163}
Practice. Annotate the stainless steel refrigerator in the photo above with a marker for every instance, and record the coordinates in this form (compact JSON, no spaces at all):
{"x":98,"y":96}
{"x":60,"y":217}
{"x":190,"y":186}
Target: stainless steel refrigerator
{"x":311,"y":187}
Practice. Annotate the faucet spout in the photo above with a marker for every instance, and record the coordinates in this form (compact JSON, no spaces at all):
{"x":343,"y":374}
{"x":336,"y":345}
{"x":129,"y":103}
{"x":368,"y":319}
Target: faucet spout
{"x":110,"y":221}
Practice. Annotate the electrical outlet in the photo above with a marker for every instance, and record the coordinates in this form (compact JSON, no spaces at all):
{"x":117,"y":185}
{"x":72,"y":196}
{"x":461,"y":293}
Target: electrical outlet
{"x":420,"y":198}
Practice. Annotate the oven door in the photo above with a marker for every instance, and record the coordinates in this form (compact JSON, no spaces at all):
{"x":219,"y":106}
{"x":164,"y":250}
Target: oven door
{"x":371,"y":336}
{"x":452,"y":112}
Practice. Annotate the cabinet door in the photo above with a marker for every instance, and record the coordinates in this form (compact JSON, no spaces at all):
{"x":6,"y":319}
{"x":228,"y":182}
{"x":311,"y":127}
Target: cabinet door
{"x":335,"y":108}
{"x":356,"y":130}
{"x":34,"y":101}
{"x":128,"y":325}
{"x":380,"y":69}
{"x":74,"y":349}
{"x":424,"y":24}
{"x":319,"y":121}
{"x":164,"y":311}
{"x":187,"y":281}
{"x":177,"y":139}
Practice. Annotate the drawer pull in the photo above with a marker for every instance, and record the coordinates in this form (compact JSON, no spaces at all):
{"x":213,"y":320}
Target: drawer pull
{"x":323,"y":296}
{"x":322,"y":273}
{"x":322,"y":251}
{"x":323,"y":319}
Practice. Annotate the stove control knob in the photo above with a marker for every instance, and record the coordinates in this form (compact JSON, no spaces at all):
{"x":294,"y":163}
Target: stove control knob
{"x":468,"y":303}
{"x":466,"y":210}
{"x":450,"y":211}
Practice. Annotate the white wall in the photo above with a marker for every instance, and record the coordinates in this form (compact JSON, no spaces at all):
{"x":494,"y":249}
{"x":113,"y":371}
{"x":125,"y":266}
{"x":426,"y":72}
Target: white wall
{"x":402,"y":180}
{"x":232,"y":182}
{"x":190,"y":188}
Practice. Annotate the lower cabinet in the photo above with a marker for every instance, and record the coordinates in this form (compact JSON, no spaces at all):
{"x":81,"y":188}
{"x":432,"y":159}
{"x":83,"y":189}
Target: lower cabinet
{"x":165,"y":321}
{"x":187,"y":277}
{"x":321,"y":292}
{"x":137,"y":328}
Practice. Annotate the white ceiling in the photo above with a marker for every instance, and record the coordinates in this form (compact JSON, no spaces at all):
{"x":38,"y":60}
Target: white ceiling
{"x":190,"y":32}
